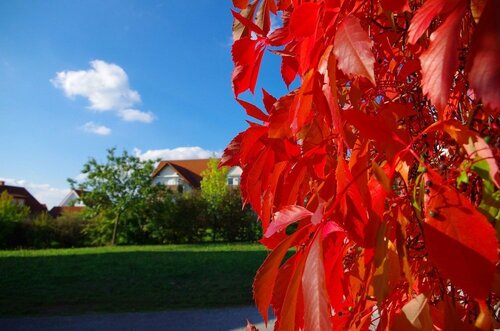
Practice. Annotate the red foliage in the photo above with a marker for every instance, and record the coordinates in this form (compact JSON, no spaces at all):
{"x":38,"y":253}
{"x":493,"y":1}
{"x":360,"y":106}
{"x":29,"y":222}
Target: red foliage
{"x":380,"y":168}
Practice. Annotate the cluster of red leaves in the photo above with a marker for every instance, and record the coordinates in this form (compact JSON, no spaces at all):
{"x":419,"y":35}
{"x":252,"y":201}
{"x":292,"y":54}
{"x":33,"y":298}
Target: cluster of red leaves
{"x":380,"y":169}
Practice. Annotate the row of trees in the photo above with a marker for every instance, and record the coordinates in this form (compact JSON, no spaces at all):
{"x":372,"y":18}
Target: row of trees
{"x":122,"y":207}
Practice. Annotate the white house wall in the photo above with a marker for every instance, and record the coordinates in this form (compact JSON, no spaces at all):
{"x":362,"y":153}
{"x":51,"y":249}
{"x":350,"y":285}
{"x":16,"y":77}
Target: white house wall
{"x":168,"y":176}
{"x":234,"y":176}
{"x":72,"y":199}
{"x":234,"y":172}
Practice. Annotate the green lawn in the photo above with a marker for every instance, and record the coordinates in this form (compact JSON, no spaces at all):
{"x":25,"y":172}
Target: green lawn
{"x":123,"y":279}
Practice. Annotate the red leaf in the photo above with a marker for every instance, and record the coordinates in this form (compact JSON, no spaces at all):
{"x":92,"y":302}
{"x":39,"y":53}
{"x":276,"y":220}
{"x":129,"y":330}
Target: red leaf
{"x":415,"y":315}
{"x":333,"y":248}
{"x":231,"y":155}
{"x":283,"y":279}
{"x":426,"y":14}
{"x":268,"y":100}
{"x":477,"y":8}
{"x":475,"y":146}
{"x":460,"y":241}
{"x":265,"y":278}
{"x":253,"y":111}
{"x":395,"y":5}
{"x":409,"y":67}
{"x":285,"y":217}
{"x":353,"y":211}
{"x":304,"y":19}
{"x":317,"y":309}
{"x":382,"y":177}
{"x":480,"y":150}
{"x":239,"y":29}
{"x":440,"y":61}
{"x":284,"y":4}
{"x":247,"y":56}
{"x":371,"y":127}
{"x":484,"y":63}
{"x":289,"y":69}
{"x":301,"y":108}
{"x":452,"y":320}
{"x":352,"y":47}
{"x":251,"y":26}
{"x":240,"y":4}
{"x":292,"y":300}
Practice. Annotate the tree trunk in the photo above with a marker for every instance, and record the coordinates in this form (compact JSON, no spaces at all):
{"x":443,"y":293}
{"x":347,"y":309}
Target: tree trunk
{"x":113,"y":237}
{"x":214,"y":226}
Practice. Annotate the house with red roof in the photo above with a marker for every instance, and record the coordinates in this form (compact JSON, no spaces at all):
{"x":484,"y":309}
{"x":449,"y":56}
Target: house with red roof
{"x":186,"y":175}
{"x":21,"y":196}
{"x":71,"y":203}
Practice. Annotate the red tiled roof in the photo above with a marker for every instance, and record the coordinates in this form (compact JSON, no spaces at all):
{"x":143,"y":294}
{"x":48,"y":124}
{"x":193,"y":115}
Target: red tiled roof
{"x":59,"y":210}
{"x":21,"y":193}
{"x":190,"y":170}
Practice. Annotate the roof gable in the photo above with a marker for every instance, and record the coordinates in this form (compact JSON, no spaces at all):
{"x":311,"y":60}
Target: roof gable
{"x":190,"y":170}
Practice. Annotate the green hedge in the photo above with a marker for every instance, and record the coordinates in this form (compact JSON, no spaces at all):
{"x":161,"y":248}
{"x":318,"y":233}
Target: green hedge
{"x":171,"y":218}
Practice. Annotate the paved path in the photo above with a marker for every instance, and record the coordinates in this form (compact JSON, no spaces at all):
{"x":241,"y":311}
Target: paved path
{"x":228,"y":319}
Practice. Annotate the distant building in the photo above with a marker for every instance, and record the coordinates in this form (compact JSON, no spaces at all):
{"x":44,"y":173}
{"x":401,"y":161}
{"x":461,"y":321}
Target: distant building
{"x":73,"y":199}
{"x":22,"y":197}
{"x":71,"y":203}
{"x":185,"y":175}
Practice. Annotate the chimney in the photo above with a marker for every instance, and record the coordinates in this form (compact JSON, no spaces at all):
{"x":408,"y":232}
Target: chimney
{"x":2,"y":183}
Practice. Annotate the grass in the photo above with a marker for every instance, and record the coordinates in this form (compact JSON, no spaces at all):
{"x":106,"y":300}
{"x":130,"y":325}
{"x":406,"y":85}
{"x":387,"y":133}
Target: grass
{"x":127,"y":278}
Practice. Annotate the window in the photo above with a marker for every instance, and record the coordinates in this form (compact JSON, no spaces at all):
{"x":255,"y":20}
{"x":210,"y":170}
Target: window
{"x":172,"y":181}
{"x":19,"y":201}
{"x":233,"y":181}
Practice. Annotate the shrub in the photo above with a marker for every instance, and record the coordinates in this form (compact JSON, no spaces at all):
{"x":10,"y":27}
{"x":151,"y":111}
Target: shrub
{"x":39,"y":233}
{"x":97,"y":229}
{"x":68,"y":228}
{"x":237,"y":223}
{"x":178,"y":218}
{"x":11,"y":217}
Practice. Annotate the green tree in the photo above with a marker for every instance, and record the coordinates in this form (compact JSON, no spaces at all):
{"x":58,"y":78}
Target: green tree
{"x":120,"y":185}
{"x":214,"y":191}
{"x":11,"y":211}
{"x":11,"y":216}
{"x":214,"y":184}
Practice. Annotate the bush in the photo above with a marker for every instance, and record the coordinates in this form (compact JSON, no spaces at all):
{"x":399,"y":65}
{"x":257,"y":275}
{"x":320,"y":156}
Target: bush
{"x":171,"y":217}
{"x":189,"y":218}
{"x":64,"y":231}
{"x":38,"y":231}
{"x":12,"y":216}
{"x":97,"y":229}
{"x":68,"y":229}
{"x":178,"y":218}
{"x":237,"y":223}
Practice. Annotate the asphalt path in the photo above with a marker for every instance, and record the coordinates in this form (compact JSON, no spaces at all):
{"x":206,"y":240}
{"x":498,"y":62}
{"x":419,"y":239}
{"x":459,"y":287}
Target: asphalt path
{"x":226,"y":319}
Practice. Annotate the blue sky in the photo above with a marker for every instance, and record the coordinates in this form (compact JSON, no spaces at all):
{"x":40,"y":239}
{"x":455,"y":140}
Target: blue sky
{"x":78,"y":77}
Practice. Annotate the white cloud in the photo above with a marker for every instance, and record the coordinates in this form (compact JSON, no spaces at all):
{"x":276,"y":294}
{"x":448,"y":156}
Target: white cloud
{"x":179,"y":153}
{"x":81,"y":177}
{"x":92,"y":127}
{"x":44,"y":193}
{"x":106,"y":87}
{"x":134,"y":115}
